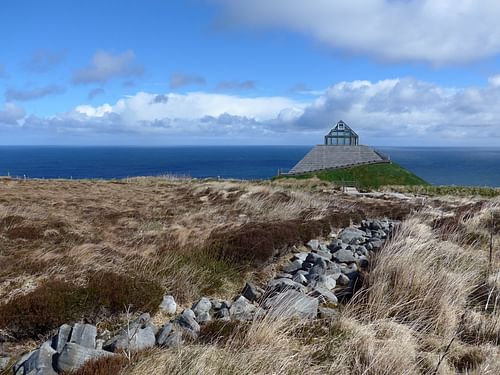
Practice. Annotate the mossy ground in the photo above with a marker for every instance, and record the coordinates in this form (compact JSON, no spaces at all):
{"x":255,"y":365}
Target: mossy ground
{"x":371,"y":176}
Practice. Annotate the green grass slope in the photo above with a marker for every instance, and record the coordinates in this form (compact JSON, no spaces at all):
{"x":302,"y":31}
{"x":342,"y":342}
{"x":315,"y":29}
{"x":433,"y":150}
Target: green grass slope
{"x":371,"y":176}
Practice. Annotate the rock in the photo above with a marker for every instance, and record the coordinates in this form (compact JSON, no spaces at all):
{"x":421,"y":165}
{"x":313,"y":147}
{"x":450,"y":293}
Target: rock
{"x":324,"y":254}
{"x":62,"y":337}
{"x":318,"y":269}
{"x":188,"y":323}
{"x":292,"y":304}
{"x":343,"y":280}
{"x":174,"y":340}
{"x":376,"y":243}
{"x":222,"y":314}
{"x":37,"y":362}
{"x":74,"y":356}
{"x":300,"y":256}
{"x":376,"y":224}
{"x":168,"y":305}
{"x":283,"y":275}
{"x":361,"y":250}
{"x":327,"y":282}
{"x":299,"y":278}
{"x":293,"y":266}
{"x":313,"y":244}
{"x":323,"y":247}
{"x":251,"y":292}
{"x":242,"y":309}
{"x":362,"y":261}
{"x":307,"y":265}
{"x":164,"y":332}
{"x":133,"y":339}
{"x":280,"y":285}
{"x":312,"y":258}
{"x":352,"y":236}
{"x":202,"y":307}
{"x":325,"y":295}
{"x":4,"y":362}
{"x":344,"y":256}
{"x":84,"y":335}
{"x":333,"y":271}
{"x":327,"y":313}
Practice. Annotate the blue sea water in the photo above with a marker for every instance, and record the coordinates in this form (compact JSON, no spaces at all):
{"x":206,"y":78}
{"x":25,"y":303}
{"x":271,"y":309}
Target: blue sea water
{"x":441,"y":166}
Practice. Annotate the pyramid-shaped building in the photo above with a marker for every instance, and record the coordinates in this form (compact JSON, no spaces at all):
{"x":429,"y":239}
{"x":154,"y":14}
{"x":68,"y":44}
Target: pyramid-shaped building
{"x":341,"y":149}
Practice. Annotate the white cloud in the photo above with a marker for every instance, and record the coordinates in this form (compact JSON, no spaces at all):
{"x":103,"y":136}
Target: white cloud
{"x":11,"y":114}
{"x":494,"y":80}
{"x":105,"y":66}
{"x":401,"y":111}
{"x":439,"y":32}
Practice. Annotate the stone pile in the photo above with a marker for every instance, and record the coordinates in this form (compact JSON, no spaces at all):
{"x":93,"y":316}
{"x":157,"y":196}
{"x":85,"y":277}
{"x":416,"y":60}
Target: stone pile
{"x":306,"y":288}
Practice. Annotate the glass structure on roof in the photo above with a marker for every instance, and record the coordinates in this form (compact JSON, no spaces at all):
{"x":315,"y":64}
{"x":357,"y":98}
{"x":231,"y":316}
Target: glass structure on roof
{"x":341,"y":135}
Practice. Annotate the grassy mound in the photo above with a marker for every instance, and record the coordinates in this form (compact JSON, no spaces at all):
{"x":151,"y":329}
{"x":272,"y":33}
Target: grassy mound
{"x":370,"y":176}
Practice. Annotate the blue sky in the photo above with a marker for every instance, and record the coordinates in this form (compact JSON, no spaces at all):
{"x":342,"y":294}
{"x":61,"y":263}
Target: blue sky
{"x":249,"y":72}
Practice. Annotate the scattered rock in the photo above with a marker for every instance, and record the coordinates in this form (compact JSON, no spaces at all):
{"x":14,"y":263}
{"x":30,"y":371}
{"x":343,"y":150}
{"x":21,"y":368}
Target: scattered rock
{"x":280,"y":285}
{"x":62,"y":337}
{"x":84,"y":335}
{"x":242,"y":309}
{"x":313,"y":244}
{"x":352,"y":236}
{"x":251,"y":292}
{"x":325,"y":295}
{"x":292,"y":304}
{"x":344,"y":256}
{"x":202,"y":309}
{"x":168,"y":305}
{"x":74,"y":356}
{"x":293,"y":266}
{"x":170,"y":336}
{"x":4,"y":362}
{"x":187,"y":320}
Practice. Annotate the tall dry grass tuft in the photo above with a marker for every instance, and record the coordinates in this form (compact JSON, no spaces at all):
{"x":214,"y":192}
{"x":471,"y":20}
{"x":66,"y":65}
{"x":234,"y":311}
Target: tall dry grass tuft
{"x":419,"y":280}
{"x":266,"y":347}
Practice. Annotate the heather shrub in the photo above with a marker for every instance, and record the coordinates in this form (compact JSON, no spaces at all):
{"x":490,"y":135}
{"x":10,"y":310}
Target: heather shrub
{"x":56,"y":302}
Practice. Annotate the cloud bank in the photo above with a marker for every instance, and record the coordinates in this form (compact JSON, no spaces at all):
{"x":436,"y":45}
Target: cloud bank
{"x":412,"y":111}
{"x":438,"y":32}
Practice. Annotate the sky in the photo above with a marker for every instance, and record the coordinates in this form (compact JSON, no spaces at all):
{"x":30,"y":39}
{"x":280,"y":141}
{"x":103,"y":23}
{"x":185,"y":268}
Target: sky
{"x":239,"y":72}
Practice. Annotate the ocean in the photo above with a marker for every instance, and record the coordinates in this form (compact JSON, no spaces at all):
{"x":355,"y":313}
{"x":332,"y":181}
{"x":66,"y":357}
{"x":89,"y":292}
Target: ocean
{"x":439,"y":166}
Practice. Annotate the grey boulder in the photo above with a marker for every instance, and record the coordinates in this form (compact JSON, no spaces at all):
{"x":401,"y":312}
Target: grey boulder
{"x":251,"y":292}
{"x":74,"y":356}
{"x":168,"y":305}
{"x":83,"y":335}
{"x":242,"y":309}
{"x":344,"y":256}
{"x":325,"y":295}
{"x":292,"y":304}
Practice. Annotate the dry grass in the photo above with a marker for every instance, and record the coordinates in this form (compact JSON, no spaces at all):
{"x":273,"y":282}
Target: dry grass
{"x":430,"y":285}
{"x":421,"y":305}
